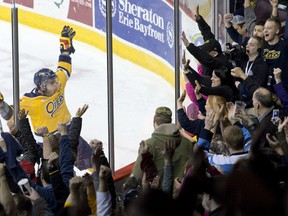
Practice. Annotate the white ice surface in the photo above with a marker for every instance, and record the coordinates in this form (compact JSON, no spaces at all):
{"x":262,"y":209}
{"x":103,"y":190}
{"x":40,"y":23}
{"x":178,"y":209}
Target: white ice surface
{"x":137,"y":91}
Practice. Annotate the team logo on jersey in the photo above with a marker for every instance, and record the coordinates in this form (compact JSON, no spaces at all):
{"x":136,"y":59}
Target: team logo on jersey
{"x":271,"y":54}
{"x":102,"y":6}
{"x":170,"y":34}
{"x":53,"y":106}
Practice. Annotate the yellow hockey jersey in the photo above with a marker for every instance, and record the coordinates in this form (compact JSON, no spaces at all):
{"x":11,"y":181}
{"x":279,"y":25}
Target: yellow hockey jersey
{"x":49,"y":110}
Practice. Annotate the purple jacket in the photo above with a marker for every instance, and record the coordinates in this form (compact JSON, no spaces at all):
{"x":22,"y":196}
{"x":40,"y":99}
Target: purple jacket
{"x":282,"y":94}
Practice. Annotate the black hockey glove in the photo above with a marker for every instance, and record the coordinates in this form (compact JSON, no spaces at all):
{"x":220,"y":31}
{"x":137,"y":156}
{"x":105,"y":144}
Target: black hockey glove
{"x":67,"y":35}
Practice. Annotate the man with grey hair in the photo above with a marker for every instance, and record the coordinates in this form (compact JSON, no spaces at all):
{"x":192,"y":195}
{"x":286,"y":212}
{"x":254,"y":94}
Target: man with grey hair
{"x":263,"y":105}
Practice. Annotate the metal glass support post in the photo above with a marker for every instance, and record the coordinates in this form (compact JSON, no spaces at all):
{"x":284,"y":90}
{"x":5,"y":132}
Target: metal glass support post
{"x":177,"y":54}
{"x":226,"y":10}
{"x":213,"y":3}
{"x":1,"y":127}
{"x":215,"y":19}
{"x":109,"y":51}
{"x":15,"y":62}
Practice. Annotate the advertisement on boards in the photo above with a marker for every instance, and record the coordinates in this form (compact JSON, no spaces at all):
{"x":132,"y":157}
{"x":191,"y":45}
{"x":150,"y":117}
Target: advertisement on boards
{"x":81,"y":11}
{"x":148,"y":24}
{"x":26,"y":3}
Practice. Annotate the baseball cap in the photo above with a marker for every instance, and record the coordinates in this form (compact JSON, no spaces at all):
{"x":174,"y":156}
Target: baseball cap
{"x":163,"y":112}
{"x":211,"y":45}
{"x":238,"y":19}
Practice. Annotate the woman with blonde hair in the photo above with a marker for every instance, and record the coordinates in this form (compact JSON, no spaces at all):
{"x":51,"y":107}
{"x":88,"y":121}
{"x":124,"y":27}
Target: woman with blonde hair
{"x":216,"y":103}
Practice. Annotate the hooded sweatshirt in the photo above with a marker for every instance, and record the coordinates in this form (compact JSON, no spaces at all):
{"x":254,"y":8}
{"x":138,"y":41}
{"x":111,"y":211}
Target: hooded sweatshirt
{"x":182,"y":152}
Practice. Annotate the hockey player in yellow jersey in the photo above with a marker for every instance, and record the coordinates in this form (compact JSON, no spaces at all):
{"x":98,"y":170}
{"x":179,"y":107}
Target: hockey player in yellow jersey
{"x":46,"y":104}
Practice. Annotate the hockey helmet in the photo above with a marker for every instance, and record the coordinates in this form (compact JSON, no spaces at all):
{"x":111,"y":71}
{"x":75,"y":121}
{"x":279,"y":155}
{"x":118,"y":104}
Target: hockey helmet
{"x":43,"y":75}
